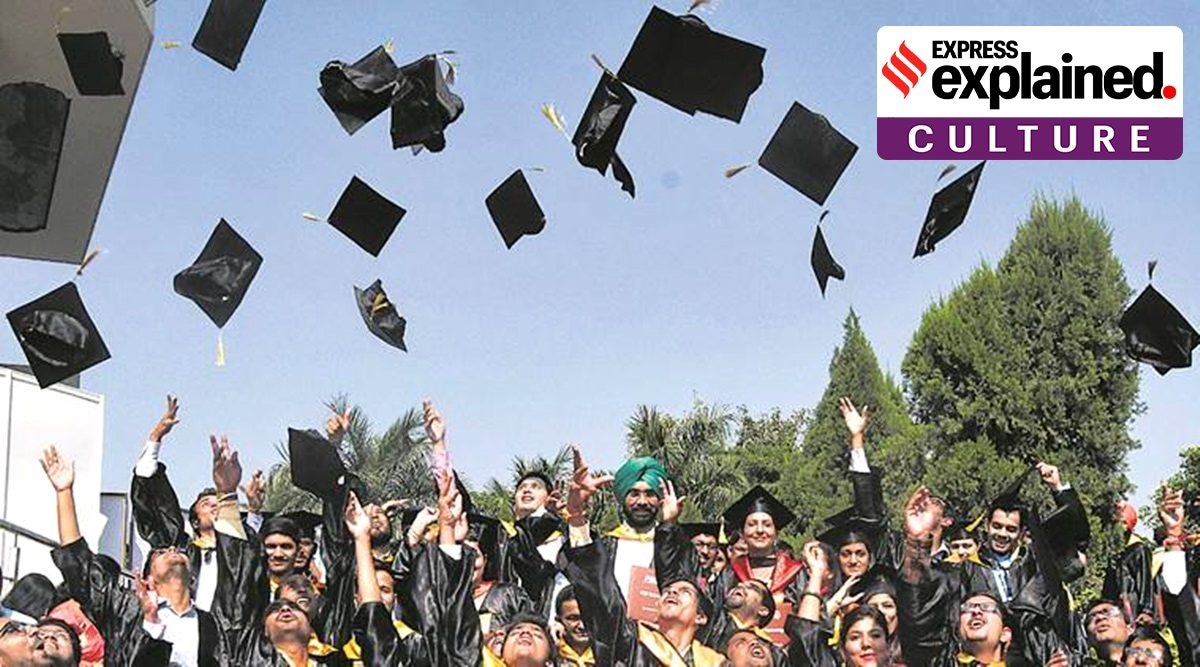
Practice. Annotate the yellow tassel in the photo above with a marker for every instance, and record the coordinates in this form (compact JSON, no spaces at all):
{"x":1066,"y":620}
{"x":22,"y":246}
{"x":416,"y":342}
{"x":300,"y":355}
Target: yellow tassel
{"x":556,"y":119}
{"x":311,"y":217}
{"x":220,"y":350}
{"x":380,"y":303}
{"x":389,"y":46}
{"x":734,"y":171}
{"x":171,"y":45}
{"x":86,"y":260}
{"x":62,"y":14}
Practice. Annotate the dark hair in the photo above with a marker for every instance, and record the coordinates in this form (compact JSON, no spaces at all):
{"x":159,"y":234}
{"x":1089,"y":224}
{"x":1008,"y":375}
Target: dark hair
{"x":193,"y":517}
{"x":76,"y":645}
{"x":1151,"y":633}
{"x":1007,"y":505}
{"x":281,"y":525}
{"x":768,"y":600}
{"x":564,"y":596}
{"x":860,"y":612}
{"x":528,"y":618}
{"x":297,"y":582}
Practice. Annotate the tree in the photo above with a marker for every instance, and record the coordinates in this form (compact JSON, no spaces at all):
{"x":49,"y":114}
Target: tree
{"x":1025,"y":363}
{"x":394,"y":464}
{"x":819,"y":486}
{"x":495,"y":498}
{"x":1186,"y":479}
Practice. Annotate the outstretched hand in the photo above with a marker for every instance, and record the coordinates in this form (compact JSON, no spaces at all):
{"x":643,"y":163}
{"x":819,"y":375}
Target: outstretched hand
{"x":856,"y":421}
{"x":921,"y":514}
{"x":60,"y":471}
{"x":168,"y":420}
{"x":1170,"y":510}
{"x":227,"y":470}
{"x":357,"y":520}
{"x":671,"y":506}
{"x":1050,"y":476}
{"x":815,"y":560}
{"x":337,"y":425}
{"x":256,"y":491}
{"x":435,"y":427}
{"x":584,"y":485}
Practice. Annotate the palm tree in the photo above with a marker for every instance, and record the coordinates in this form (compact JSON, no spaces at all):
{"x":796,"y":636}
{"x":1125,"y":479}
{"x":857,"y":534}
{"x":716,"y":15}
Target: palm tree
{"x":394,"y":464}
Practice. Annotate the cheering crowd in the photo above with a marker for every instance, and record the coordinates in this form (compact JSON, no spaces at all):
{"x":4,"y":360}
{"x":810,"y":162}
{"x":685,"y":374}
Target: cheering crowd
{"x":446,"y":586}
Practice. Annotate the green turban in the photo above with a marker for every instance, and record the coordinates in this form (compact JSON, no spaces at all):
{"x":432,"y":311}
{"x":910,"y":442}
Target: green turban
{"x":642,"y":469}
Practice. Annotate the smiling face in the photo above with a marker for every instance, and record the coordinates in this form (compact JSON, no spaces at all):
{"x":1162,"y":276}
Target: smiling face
{"x":886,"y":606}
{"x":573,"y":628}
{"x":531,"y":494}
{"x":706,"y":549}
{"x":526,"y":644}
{"x":1004,"y":530}
{"x":854,"y":559}
{"x":758,"y":531}
{"x":641,"y":506}
{"x":205,"y":511}
{"x":746,"y":600}
{"x":865,"y":643}
{"x":280,"y":551}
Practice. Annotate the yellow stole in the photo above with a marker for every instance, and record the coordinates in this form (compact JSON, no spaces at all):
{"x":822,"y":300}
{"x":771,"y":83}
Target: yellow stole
{"x":661,"y":648}
{"x":623,"y":532}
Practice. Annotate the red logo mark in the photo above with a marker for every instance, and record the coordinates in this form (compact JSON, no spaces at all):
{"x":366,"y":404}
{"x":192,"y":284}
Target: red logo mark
{"x":897,"y":67}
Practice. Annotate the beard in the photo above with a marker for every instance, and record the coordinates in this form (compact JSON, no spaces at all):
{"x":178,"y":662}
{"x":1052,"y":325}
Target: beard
{"x":641,"y":517}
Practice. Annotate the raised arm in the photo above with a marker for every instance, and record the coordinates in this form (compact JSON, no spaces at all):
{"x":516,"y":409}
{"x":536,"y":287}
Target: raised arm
{"x":61,"y":473}
{"x":155,"y":503}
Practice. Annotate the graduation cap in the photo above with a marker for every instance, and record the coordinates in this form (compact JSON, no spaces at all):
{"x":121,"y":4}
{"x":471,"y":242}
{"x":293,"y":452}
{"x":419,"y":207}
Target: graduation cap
{"x":226,"y":30}
{"x":948,"y":210}
{"x":600,"y":129}
{"x":1156,"y":333}
{"x":515,"y":210}
{"x":57,"y":335}
{"x":849,"y":530}
{"x":365,"y":216}
{"x":758,"y":499}
{"x":315,"y":463}
{"x":307,"y":522}
{"x":95,"y":66}
{"x":680,"y":61}
{"x":808,"y":153}
{"x":33,"y":122}
{"x":33,"y":595}
{"x":423,"y":106}
{"x":359,"y":92}
{"x":691,"y":530}
{"x":381,"y":316}
{"x":823,"y":264}
{"x":219,"y":278}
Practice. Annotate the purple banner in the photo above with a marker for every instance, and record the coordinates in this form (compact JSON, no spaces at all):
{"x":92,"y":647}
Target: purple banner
{"x":1030,"y":138}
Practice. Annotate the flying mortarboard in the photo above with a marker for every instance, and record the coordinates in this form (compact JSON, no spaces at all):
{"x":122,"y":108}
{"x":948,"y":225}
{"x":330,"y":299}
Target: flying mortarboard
{"x":33,"y":122}
{"x":423,"y":106}
{"x":515,"y":210}
{"x":948,"y":210}
{"x":758,"y":499}
{"x":380,"y":315}
{"x":95,"y":66}
{"x":226,"y":30}
{"x":1156,"y":333}
{"x":600,"y":129}
{"x":358,"y":93}
{"x":808,"y":153}
{"x":57,"y":335}
{"x":315,"y":463}
{"x":365,"y":216}
{"x":219,"y":278}
{"x":824,"y":266}
{"x":680,"y":61}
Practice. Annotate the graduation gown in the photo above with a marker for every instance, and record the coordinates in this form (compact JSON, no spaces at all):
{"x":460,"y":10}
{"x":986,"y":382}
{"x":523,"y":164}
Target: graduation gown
{"x":158,"y":520}
{"x":616,"y":638}
{"x":530,"y":569}
{"x":381,"y":645}
{"x":117,"y":613}
{"x":1128,"y":580}
{"x":1182,"y":612}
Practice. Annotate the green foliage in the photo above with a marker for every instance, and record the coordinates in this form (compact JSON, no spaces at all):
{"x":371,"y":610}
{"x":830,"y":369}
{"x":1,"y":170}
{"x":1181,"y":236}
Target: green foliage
{"x":1186,"y":479}
{"x":1024,"y":363}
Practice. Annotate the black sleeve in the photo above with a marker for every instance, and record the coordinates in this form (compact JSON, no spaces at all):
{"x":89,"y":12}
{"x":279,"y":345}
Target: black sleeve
{"x":868,"y":495}
{"x":156,"y":510}
{"x":242,"y":595}
{"x":1128,"y":581}
{"x":535,"y":573}
{"x":925,"y":612}
{"x":674,"y":555}
{"x":590,"y":570}
{"x":381,"y":645}
{"x":437,"y":595}
{"x":1183,"y":617}
{"x":810,"y":644}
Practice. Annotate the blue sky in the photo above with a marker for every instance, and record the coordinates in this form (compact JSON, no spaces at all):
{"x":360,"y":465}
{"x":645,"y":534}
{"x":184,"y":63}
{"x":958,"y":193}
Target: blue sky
{"x":699,"y":287}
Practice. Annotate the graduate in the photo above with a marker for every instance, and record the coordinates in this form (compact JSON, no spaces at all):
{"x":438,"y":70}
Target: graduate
{"x":574,"y":640}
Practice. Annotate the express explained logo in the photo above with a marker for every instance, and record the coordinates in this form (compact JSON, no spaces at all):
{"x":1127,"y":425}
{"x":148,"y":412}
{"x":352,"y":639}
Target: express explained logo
{"x":896,"y":67}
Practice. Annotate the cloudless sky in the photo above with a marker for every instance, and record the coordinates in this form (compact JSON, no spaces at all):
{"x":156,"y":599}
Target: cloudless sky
{"x":700,"y":286}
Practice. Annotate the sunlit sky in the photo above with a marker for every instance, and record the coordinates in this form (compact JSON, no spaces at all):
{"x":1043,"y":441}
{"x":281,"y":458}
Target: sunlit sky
{"x":700,"y":286}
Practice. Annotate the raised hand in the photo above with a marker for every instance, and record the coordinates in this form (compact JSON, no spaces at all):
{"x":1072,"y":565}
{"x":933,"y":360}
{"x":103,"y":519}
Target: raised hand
{"x":227,"y":470}
{"x":141,"y":589}
{"x":357,"y":520}
{"x":1050,"y":476}
{"x":840,"y":601}
{"x":815,"y":560}
{"x":256,"y":491}
{"x":420,"y":523}
{"x":583,"y":486}
{"x":435,"y":427}
{"x":671,"y":505}
{"x":1058,"y":659}
{"x":337,"y":425}
{"x":856,"y":422}
{"x":556,"y":501}
{"x":168,"y":421}
{"x":1170,"y":510}
{"x":449,"y":501}
{"x":60,"y":471}
{"x":921,"y":513}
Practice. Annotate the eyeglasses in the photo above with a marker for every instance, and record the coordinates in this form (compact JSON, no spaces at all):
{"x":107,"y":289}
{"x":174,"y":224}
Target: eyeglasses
{"x":279,"y":605}
{"x":1150,"y":653}
{"x":978,"y":608}
{"x":1103,"y":612}
{"x":13,"y":626}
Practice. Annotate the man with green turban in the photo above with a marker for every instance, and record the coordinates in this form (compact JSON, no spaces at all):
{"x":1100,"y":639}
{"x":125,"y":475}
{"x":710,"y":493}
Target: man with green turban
{"x":631,"y":544}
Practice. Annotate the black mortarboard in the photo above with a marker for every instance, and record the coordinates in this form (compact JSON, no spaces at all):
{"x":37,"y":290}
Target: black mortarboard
{"x":1010,"y":496}
{"x":381,"y":315}
{"x":33,"y":122}
{"x":57,"y":335}
{"x":691,"y":530}
{"x":823,"y":264}
{"x":307,"y":522}
{"x":485,"y":531}
{"x":1156,"y":332}
{"x":423,"y":106}
{"x":758,"y":499}
{"x":315,"y":463}
{"x":680,"y":61}
{"x":33,"y":595}
{"x":515,"y":210}
{"x":95,"y":66}
{"x":948,"y":210}
{"x":217,"y":281}
{"x":365,"y":216}
{"x":358,"y":93}
{"x":600,"y":129}
{"x":537,"y":474}
{"x":808,"y":153}
{"x":226,"y":29}
{"x":853,"y":529}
